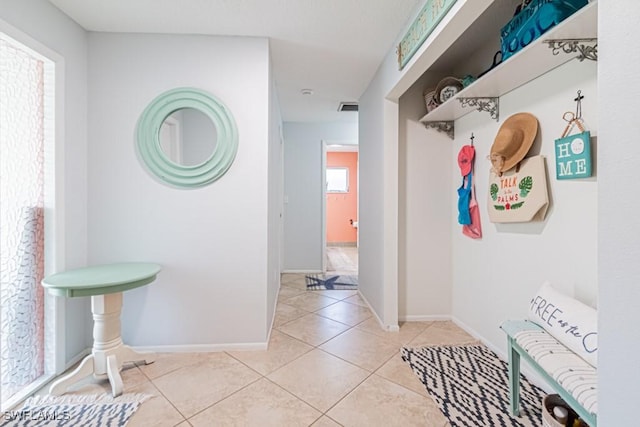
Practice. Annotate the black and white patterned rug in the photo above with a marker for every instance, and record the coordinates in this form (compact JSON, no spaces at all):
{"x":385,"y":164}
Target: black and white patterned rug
{"x":75,"y":410}
{"x":322,"y":282}
{"x":470,"y":384}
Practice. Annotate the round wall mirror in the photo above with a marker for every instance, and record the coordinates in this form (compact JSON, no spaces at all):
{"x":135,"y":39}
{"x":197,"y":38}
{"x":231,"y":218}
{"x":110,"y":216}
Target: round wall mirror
{"x":187,"y":138}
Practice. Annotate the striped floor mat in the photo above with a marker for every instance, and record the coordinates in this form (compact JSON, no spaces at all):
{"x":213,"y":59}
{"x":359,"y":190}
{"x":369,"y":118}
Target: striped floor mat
{"x":74,"y":410}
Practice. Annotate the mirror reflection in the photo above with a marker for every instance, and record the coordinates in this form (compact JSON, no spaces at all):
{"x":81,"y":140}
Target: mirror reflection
{"x":188,"y":137}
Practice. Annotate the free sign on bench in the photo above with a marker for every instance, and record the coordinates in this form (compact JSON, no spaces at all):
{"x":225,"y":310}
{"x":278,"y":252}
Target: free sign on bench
{"x":105,"y":285}
{"x":561,"y":346}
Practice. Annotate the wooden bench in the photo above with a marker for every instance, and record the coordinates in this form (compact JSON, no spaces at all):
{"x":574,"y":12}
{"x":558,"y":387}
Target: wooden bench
{"x":567,"y":373}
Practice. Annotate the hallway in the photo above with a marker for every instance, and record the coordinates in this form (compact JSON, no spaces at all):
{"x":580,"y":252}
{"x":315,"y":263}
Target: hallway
{"x":328,"y":364}
{"x":342,"y":260}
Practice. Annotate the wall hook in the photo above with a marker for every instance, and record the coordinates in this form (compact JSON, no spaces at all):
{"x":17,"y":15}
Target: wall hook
{"x":578,"y":100}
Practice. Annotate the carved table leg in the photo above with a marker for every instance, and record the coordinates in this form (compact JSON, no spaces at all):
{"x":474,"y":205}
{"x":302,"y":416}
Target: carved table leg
{"x":109,"y":353}
{"x":84,"y":370}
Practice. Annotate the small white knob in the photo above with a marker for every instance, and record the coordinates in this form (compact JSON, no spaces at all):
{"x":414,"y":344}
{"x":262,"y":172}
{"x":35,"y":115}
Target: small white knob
{"x":561,"y":414}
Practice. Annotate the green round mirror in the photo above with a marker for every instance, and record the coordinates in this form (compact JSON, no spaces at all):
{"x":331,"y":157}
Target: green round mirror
{"x":187,"y":138}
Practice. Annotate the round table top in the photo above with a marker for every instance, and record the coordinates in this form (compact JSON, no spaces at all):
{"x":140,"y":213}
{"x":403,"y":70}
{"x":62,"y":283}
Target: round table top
{"x":101,"y":279}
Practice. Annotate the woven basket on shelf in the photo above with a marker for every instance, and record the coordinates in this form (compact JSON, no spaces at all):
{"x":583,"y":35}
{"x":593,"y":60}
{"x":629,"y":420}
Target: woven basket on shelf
{"x":430,"y":100}
{"x":447,"y":88}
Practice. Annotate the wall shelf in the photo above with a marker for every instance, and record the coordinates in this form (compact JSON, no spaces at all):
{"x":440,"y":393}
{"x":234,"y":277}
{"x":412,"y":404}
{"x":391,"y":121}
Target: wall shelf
{"x":521,"y":68}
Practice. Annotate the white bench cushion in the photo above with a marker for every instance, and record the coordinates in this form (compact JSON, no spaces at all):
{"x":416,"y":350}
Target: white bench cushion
{"x":573,"y":373}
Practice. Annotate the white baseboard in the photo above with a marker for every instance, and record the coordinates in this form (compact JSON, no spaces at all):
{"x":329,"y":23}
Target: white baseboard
{"x":42,"y":382}
{"x":19,"y":398}
{"x":203,"y":348}
{"x":75,"y":359}
{"x":468,"y":329}
{"x":302,"y":271}
{"x":388,"y":328}
{"x":425,"y":318}
{"x":188,"y":348}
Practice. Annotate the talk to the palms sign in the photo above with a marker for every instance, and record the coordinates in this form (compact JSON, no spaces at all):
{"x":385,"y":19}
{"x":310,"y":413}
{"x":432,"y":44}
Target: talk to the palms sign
{"x":519,"y":194}
{"x":510,"y":193}
{"x":427,"y":20}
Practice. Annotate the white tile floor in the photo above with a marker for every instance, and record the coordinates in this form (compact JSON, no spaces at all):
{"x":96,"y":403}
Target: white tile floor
{"x":328,"y":364}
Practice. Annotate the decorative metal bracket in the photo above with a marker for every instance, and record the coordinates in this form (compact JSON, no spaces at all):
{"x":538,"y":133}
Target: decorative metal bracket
{"x":586,"y":48}
{"x":489,"y":105}
{"x":443,"y":127}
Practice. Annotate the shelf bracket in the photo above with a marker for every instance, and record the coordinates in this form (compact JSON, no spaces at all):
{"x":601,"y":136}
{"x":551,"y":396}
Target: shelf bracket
{"x":489,"y":105}
{"x":586,"y":48}
{"x":443,"y":127}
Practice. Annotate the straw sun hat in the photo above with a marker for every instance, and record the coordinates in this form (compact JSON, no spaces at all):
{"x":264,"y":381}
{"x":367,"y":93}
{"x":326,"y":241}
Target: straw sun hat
{"x":513,"y":141}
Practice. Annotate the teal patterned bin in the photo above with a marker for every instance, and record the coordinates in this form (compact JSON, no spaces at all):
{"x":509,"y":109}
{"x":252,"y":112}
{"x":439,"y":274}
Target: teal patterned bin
{"x":533,"y":21}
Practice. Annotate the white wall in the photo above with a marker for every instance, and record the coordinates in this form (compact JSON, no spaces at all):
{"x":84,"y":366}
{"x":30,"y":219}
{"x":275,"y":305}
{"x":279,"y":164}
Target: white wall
{"x":275,"y":214}
{"x":45,"y":24}
{"x":210,"y":241}
{"x":618,"y":226}
{"x":424,"y":210}
{"x":379,"y":124}
{"x":303,"y":188}
{"x":495,"y":278}
{"x":378,"y":209}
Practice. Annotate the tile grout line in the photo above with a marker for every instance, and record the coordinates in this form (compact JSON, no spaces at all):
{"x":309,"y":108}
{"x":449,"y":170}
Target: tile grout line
{"x":228,"y":396}
{"x":317,"y":347}
{"x":184,"y":418}
{"x":313,"y":346}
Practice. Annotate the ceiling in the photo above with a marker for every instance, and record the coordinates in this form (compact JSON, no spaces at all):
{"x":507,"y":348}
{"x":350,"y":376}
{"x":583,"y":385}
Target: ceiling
{"x":333,"y":47}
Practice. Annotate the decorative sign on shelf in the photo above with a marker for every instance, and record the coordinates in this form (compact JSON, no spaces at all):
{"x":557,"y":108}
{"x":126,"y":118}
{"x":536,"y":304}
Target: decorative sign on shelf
{"x":428,"y":18}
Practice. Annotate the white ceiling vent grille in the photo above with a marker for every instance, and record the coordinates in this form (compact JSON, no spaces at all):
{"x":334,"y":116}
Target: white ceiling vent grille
{"x":348,"y":106}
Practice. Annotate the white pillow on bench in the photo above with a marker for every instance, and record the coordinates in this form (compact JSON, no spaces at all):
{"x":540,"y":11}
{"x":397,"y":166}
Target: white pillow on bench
{"x":569,"y":321}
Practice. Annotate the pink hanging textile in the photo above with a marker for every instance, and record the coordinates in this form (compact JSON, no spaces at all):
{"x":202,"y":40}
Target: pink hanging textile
{"x":465,"y":162}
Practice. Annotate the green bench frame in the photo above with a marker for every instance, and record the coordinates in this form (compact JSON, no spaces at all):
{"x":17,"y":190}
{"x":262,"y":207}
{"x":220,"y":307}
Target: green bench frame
{"x":515,"y":352}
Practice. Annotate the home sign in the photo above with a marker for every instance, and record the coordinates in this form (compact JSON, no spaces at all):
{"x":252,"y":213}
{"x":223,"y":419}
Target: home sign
{"x":573,"y":156}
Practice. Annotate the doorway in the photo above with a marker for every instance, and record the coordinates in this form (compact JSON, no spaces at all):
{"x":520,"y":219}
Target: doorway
{"x":340,"y":201}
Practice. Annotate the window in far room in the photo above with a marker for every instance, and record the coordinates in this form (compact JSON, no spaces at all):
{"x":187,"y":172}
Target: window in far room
{"x":337,"y":180}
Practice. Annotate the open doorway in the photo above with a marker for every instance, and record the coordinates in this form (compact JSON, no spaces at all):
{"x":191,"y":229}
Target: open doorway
{"x":341,"y":211}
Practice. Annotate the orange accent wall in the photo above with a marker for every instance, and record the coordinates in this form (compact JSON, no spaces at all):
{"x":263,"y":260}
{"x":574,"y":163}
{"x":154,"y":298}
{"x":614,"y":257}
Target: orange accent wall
{"x":341,"y":207}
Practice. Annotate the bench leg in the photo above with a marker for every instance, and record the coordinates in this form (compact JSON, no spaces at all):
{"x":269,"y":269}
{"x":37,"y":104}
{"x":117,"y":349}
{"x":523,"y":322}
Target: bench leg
{"x":514,"y":379}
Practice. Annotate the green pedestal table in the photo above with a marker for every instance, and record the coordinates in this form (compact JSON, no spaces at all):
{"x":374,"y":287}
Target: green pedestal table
{"x":105,"y":285}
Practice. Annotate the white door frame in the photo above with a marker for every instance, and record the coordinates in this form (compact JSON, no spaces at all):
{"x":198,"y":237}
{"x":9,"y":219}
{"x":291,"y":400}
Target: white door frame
{"x":323,"y":183}
{"x":335,"y":146}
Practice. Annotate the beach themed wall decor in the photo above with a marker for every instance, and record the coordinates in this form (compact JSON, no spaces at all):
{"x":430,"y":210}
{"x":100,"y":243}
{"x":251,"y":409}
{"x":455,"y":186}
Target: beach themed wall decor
{"x":573,"y":152}
{"x":517,"y":185}
{"x":519,"y":195}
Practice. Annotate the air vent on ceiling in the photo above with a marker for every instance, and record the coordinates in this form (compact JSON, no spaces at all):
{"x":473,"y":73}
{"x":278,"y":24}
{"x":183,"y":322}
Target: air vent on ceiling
{"x":348,"y":106}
